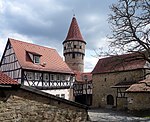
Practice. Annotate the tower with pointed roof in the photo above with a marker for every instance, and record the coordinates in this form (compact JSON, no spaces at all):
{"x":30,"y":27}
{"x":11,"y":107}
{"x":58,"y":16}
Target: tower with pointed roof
{"x":74,"y":47}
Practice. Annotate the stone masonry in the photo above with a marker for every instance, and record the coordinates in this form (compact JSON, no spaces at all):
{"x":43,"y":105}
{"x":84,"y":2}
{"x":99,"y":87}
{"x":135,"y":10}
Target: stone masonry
{"x":138,"y":101}
{"x":27,"y":105}
{"x":102,"y":84}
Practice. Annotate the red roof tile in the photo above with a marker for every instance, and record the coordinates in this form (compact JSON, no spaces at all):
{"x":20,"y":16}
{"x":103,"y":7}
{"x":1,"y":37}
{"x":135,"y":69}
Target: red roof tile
{"x":142,"y":86}
{"x":80,"y":77}
{"x":119,"y":63}
{"x":74,"y":31}
{"x":6,"y":80}
{"x":49,"y":56}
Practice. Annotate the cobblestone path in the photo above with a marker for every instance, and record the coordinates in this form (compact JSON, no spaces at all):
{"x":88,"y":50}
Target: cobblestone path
{"x":107,"y":115}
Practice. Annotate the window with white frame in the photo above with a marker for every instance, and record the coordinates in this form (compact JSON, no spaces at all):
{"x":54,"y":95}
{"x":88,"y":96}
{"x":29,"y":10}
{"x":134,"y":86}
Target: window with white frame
{"x":63,"y":77}
{"x":57,"y":77}
{"x":46,"y":77}
{"x":37,"y":76}
{"x":52,"y":76}
{"x":29,"y":75}
{"x":36,"y":59}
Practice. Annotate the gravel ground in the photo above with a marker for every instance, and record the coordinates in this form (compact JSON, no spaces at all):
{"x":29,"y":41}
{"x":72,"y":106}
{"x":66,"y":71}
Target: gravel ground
{"x":107,"y":115}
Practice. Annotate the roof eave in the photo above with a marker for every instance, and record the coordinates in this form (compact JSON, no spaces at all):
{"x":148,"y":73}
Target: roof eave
{"x":74,"y":40}
{"x":49,"y":70}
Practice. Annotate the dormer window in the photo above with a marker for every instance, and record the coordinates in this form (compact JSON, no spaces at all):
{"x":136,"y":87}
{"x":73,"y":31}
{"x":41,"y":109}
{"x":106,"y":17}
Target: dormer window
{"x":36,"y":59}
{"x":33,"y":56}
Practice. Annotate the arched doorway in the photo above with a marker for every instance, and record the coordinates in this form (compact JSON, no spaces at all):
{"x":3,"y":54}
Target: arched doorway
{"x":110,"y":100}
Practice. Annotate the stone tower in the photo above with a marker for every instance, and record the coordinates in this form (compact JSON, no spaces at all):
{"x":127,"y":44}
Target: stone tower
{"x":74,"y":47}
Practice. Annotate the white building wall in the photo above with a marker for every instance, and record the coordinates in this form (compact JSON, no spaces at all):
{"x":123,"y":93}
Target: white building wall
{"x":59,"y":93}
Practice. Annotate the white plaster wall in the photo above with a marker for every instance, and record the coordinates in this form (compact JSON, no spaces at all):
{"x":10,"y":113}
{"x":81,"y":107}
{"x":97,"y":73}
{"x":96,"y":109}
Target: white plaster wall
{"x":59,"y":91}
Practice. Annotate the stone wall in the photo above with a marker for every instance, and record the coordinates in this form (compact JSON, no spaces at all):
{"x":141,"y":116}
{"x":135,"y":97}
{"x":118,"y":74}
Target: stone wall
{"x":102,"y":84}
{"x":76,"y":63}
{"x":138,"y":101}
{"x":26,"y":105}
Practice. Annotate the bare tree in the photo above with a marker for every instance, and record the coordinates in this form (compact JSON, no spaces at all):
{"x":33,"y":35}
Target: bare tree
{"x":130,"y":24}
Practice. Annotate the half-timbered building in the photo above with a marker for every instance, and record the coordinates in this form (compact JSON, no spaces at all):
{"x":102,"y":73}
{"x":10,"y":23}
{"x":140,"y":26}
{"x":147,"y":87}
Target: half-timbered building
{"x":37,"y":66}
{"x":82,"y":88}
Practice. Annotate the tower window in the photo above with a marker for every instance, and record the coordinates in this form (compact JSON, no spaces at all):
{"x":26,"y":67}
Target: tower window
{"x":73,"y":55}
{"x":75,"y":46}
{"x":80,"y":47}
{"x":69,"y":44}
{"x":82,"y":56}
{"x":125,"y":79}
{"x":64,"y":48}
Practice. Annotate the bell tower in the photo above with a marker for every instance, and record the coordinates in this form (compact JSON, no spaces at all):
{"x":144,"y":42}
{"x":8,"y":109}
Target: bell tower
{"x":74,"y":47}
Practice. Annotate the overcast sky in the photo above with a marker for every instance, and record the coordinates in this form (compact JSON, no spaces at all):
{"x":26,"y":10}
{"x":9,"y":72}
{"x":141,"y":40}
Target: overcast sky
{"x":46,"y":23}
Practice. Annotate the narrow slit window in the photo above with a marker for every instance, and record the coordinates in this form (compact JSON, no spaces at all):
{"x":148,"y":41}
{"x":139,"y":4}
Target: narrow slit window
{"x":73,"y":55}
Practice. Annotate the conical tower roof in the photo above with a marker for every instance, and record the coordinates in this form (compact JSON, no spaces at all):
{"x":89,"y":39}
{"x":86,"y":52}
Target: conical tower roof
{"x":74,"y":31}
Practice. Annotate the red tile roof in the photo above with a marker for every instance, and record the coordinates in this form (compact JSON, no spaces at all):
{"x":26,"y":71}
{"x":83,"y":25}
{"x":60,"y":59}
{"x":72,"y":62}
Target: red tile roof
{"x":119,"y":63}
{"x":49,"y":56}
{"x":80,"y":77}
{"x":6,"y":80}
{"x":74,"y":31}
{"x":142,"y":86}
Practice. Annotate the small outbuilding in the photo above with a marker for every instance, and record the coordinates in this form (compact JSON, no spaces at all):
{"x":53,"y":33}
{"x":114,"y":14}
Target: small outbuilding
{"x":139,"y":95}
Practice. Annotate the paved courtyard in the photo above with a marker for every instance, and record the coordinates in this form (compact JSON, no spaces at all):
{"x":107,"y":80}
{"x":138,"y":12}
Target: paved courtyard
{"x":107,"y":115}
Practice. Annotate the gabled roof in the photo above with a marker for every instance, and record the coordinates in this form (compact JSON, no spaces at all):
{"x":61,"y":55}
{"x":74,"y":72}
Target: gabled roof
{"x":83,"y":77}
{"x":74,"y":31}
{"x":119,"y":63}
{"x":142,"y":86}
{"x":49,"y":58}
{"x":6,"y":80}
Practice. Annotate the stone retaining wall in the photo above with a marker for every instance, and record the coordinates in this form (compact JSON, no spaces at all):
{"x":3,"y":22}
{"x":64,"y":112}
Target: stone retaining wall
{"x":27,"y":105}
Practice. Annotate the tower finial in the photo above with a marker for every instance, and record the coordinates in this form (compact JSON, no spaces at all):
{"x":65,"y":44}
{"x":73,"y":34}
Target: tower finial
{"x":73,"y":12}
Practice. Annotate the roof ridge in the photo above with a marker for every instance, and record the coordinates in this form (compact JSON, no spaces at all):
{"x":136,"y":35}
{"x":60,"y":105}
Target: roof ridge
{"x":121,"y":55}
{"x":11,"y":39}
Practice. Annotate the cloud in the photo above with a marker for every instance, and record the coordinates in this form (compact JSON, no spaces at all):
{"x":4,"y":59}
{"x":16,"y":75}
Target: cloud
{"x":47,"y":22}
{"x":50,"y":19}
{"x":4,"y":37}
